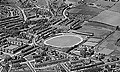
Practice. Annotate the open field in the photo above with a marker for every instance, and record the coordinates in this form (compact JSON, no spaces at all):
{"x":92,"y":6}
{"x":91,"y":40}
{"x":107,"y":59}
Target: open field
{"x":108,"y":17}
{"x":64,"y":41}
{"x":116,"y":7}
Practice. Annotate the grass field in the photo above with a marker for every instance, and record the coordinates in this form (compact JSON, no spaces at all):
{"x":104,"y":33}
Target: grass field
{"x":116,"y":7}
{"x":64,"y":41}
{"x":108,"y":17}
{"x":97,"y":32}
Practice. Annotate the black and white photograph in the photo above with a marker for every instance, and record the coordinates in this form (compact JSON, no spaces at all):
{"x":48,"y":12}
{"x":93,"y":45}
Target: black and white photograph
{"x":59,"y":35}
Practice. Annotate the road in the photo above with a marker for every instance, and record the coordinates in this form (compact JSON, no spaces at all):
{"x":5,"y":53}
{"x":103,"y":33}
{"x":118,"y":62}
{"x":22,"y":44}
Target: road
{"x":64,"y":10}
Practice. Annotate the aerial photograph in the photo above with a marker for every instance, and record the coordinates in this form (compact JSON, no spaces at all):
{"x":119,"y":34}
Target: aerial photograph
{"x":59,"y":35}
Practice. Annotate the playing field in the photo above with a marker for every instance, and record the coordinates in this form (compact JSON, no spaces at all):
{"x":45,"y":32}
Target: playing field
{"x":63,"y":41}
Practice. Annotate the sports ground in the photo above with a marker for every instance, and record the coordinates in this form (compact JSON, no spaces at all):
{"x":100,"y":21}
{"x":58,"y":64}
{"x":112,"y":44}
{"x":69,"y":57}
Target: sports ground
{"x":64,"y":41}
